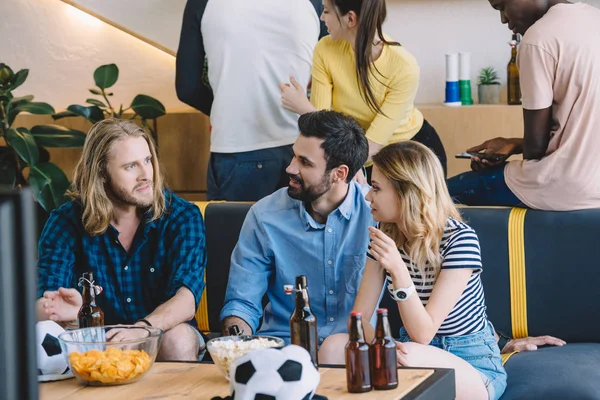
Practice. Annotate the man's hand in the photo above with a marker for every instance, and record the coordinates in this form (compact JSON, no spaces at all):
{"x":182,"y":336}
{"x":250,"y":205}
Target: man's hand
{"x":120,"y":335}
{"x":531,"y":343}
{"x":501,"y":147}
{"x":62,"y":305}
{"x":230,"y":321}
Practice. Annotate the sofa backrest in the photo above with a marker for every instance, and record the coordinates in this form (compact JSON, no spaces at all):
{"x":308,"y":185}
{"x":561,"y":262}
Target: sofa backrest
{"x":557,"y":268}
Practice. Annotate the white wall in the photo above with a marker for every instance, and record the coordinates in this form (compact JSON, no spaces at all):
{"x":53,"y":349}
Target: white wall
{"x":62,"y":46}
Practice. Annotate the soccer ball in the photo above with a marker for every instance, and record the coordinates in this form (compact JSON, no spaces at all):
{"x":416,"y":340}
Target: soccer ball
{"x":50,"y":359}
{"x":274,"y":374}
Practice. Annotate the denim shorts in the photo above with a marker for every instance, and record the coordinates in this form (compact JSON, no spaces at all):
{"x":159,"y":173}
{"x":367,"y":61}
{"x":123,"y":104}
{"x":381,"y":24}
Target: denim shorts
{"x":478,"y":349}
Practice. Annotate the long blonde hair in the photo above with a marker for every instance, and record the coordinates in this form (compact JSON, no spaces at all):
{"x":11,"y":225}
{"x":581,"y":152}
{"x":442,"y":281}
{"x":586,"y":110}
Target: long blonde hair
{"x":425,"y":204}
{"x":91,"y":176}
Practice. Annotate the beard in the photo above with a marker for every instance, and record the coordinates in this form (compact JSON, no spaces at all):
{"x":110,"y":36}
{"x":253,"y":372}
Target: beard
{"x":310,"y":193}
{"x":124,"y":196}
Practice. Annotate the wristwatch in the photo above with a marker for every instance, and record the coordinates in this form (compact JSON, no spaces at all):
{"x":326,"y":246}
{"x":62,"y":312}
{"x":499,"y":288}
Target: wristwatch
{"x":402,"y":294}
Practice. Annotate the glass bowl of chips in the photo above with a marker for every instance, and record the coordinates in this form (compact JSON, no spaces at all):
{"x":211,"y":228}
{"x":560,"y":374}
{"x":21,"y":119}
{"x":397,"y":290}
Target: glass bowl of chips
{"x":226,"y":349}
{"x":112,"y":354}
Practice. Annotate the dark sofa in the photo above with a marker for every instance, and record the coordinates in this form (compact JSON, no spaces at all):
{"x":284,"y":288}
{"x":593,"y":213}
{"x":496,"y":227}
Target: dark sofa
{"x":553,"y":259}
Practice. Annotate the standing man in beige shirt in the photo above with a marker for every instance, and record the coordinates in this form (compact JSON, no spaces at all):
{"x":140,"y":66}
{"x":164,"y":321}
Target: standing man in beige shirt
{"x":559,"y":64}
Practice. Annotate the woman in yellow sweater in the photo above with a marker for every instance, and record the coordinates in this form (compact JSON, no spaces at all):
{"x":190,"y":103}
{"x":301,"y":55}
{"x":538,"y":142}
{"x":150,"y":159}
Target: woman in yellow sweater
{"x":359,"y":71}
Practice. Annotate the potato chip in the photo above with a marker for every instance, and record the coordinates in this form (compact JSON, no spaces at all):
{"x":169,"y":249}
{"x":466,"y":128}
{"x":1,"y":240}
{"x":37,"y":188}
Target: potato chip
{"x":110,"y":366}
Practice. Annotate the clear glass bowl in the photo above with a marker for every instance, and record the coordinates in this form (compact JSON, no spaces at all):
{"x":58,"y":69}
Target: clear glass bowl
{"x":97,"y":361}
{"x":224,"y":350}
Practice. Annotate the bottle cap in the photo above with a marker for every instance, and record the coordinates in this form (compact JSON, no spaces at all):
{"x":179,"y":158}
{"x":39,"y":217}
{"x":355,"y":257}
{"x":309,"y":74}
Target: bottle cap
{"x":382,"y":311}
{"x":301,"y":282}
{"x":356,"y":314}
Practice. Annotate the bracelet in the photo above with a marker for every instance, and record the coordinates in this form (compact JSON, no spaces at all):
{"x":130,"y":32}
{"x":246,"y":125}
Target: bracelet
{"x":144,"y":320}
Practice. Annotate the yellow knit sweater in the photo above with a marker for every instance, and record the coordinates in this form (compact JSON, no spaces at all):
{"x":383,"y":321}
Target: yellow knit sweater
{"x":335,"y":86}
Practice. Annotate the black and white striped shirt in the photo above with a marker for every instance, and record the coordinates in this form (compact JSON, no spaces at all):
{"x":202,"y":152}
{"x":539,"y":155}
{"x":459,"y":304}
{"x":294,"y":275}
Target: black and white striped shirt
{"x":459,"y":248}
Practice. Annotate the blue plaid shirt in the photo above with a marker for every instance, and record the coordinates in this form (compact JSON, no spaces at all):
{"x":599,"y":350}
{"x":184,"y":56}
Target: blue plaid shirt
{"x":165,"y":255}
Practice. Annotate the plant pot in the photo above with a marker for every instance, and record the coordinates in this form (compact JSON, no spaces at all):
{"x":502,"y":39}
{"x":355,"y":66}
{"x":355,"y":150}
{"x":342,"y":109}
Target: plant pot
{"x":489,"y":94}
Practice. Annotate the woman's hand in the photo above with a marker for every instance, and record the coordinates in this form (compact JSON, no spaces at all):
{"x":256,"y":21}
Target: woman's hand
{"x":385,"y":251}
{"x":401,"y":354}
{"x":293,"y":97}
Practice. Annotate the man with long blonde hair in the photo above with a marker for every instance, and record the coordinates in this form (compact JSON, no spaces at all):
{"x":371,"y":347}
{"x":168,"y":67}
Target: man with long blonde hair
{"x":144,"y":245}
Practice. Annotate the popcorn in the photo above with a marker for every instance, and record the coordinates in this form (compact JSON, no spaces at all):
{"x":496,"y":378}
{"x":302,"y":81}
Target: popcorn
{"x":224,"y":352}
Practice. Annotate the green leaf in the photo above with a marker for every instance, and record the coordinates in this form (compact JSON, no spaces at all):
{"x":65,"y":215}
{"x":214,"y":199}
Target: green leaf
{"x":49,"y":185}
{"x":32,"y":107}
{"x":91,"y":113}
{"x":23,"y":142}
{"x":44,"y":155}
{"x":147,"y":107}
{"x":106,"y":75}
{"x":95,"y":91}
{"x":16,"y":102}
{"x":19,"y":79}
{"x":64,"y":114}
{"x":95,"y":102}
{"x":8,"y":167}
{"x":20,"y":100}
{"x":57,"y":136}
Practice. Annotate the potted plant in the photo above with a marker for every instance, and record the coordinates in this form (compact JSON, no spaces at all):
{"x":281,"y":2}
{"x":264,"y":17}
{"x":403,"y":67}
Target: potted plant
{"x":144,"y":107}
{"x":23,"y":158}
{"x":488,"y":86}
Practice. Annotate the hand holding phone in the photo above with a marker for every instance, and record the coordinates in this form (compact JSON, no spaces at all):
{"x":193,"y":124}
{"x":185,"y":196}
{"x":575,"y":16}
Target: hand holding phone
{"x":483,"y":156}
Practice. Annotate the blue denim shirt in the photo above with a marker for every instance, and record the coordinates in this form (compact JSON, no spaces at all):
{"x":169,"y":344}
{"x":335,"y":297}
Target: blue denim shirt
{"x":165,"y":255}
{"x":280,"y":240}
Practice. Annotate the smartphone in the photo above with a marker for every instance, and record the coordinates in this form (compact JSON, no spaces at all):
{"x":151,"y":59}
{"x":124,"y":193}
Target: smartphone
{"x":483,"y":156}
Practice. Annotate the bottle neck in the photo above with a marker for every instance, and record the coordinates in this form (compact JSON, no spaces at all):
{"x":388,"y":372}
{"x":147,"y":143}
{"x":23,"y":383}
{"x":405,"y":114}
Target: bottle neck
{"x":382,"y":328}
{"x":88,"y":295}
{"x":513,"y":54}
{"x":302,"y":299}
{"x":356,"y":330}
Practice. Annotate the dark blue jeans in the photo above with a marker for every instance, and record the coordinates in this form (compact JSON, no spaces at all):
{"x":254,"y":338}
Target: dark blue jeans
{"x":247,"y":176}
{"x":482,"y":188}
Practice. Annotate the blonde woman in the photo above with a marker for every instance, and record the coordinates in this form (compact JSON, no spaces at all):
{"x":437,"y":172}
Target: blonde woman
{"x":431,"y":263}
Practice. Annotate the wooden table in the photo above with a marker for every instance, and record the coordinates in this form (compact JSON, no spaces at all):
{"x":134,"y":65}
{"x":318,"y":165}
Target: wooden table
{"x":203,"y":381}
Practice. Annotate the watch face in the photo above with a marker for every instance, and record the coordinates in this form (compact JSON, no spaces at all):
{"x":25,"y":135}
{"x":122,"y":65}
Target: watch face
{"x":402,"y":295}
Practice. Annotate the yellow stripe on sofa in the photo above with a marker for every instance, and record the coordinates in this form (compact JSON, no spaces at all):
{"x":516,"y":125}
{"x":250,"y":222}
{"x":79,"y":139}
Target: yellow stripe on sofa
{"x":506,"y":356}
{"x":202,"y":312}
{"x":518,"y":284}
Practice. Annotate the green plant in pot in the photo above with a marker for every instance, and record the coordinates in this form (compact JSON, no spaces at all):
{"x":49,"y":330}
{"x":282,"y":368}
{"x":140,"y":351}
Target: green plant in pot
{"x":143,"y":107}
{"x":24,"y":159}
{"x":488,"y":86}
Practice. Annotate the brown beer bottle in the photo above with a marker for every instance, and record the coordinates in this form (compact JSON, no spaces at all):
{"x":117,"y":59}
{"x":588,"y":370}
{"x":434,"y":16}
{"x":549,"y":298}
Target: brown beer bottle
{"x":89,"y":314}
{"x":514,"y":85}
{"x":358,"y":374}
{"x":384,"y":368}
{"x":303,"y":323}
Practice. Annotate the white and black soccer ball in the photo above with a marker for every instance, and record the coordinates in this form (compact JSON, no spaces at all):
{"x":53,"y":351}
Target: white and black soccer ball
{"x":274,"y":374}
{"x":50,"y":359}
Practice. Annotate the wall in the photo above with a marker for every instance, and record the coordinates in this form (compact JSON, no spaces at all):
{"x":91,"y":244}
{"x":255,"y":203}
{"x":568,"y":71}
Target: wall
{"x":62,"y":47}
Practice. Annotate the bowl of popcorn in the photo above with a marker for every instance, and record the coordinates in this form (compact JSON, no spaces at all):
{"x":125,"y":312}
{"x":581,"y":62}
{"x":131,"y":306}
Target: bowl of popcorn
{"x":112,"y":354}
{"x":224,"y":350}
